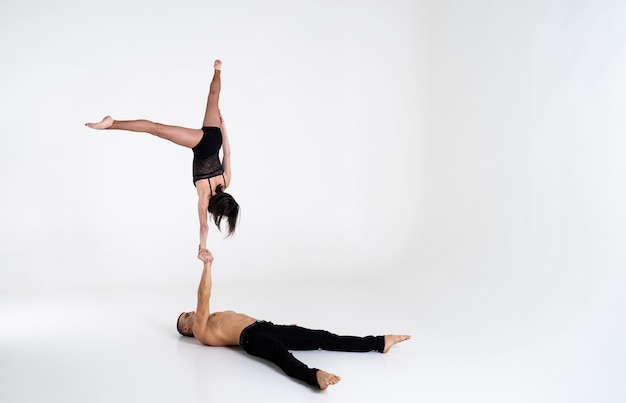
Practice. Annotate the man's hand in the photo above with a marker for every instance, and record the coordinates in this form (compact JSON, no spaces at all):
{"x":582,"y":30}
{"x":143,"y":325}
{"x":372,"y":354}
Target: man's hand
{"x":205,"y":255}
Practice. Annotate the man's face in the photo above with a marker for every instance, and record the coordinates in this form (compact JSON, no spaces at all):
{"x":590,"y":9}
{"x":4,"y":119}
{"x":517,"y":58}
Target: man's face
{"x":186,"y":321}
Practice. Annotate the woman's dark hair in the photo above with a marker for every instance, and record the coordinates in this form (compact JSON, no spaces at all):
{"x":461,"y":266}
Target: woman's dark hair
{"x":224,"y":205}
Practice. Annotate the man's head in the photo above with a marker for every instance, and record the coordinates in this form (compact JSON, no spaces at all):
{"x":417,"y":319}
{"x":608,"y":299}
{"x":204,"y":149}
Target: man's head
{"x":184,"y":324}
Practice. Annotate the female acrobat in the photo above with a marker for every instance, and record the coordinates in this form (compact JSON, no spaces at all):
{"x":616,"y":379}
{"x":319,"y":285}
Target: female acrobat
{"x":210,"y":175}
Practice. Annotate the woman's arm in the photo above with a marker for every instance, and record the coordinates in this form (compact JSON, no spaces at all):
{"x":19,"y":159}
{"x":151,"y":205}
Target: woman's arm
{"x":226,"y":151}
{"x":203,"y":204}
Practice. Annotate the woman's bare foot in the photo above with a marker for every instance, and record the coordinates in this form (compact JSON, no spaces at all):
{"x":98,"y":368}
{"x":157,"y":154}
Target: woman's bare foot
{"x":103,"y":124}
{"x":217,"y":65}
{"x":391,"y":339}
{"x":325,"y":379}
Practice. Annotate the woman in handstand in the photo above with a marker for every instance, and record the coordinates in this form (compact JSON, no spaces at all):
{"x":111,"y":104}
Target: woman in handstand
{"x":210,"y":176}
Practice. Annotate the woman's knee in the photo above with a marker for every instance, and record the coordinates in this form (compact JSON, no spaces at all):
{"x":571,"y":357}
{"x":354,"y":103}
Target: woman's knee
{"x":158,"y":129}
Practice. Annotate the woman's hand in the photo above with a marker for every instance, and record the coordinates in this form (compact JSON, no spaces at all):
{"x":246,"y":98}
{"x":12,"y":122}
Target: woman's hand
{"x":222,"y":122}
{"x":205,"y":255}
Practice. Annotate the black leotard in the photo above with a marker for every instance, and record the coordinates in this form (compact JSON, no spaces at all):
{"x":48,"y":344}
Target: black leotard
{"x":206,"y":159}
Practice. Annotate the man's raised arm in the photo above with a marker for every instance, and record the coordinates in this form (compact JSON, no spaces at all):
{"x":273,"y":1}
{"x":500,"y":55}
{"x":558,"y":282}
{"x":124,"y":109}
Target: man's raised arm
{"x":204,"y":294}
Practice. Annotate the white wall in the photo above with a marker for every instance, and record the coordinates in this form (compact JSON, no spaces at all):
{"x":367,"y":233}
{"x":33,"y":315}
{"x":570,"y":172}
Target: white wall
{"x":320,"y":100}
{"x":468,"y":155}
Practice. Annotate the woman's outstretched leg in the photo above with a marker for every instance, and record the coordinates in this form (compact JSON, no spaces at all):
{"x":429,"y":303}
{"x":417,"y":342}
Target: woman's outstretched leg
{"x":212,"y":114}
{"x":180,"y":135}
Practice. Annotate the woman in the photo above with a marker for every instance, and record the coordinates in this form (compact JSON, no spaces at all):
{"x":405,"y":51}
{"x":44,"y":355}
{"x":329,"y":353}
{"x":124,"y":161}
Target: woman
{"x":210,"y":176}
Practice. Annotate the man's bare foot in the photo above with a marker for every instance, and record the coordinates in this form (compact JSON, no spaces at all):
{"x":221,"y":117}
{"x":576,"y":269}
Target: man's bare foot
{"x":217,"y":65}
{"x":103,"y":124}
{"x":325,"y":379}
{"x":391,"y":339}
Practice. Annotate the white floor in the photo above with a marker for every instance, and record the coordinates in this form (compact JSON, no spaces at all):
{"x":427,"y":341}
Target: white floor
{"x":122,"y":346}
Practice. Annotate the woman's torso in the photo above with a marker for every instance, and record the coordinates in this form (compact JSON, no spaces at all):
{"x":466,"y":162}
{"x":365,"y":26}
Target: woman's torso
{"x":206,"y":160}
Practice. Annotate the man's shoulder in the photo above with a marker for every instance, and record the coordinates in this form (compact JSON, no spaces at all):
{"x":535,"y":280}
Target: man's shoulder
{"x":207,"y":337}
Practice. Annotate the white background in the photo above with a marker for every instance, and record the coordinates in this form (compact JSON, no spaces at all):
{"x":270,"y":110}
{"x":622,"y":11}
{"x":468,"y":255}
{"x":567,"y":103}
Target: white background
{"x":463,"y":161}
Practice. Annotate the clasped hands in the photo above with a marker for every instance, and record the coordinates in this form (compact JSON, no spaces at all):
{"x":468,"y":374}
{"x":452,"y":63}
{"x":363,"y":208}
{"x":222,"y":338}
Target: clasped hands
{"x":205,"y":255}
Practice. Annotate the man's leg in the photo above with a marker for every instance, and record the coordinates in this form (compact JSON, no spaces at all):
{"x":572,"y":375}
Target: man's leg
{"x":263,"y":345}
{"x":299,"y":338}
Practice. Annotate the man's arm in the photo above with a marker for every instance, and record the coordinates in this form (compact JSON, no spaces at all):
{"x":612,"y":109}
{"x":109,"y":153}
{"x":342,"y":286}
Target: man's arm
{"x":204,"y":294}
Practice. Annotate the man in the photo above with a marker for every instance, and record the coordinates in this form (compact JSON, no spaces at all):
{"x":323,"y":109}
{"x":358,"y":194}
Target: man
{"x":269,"y":341}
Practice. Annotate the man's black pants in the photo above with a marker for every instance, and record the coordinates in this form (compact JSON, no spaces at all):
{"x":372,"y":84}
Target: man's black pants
{"x":273,"y":342}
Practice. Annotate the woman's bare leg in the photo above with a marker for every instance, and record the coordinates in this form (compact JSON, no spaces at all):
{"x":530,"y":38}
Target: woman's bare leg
{"x":212,"y":114}
{"x":180,"y":135}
